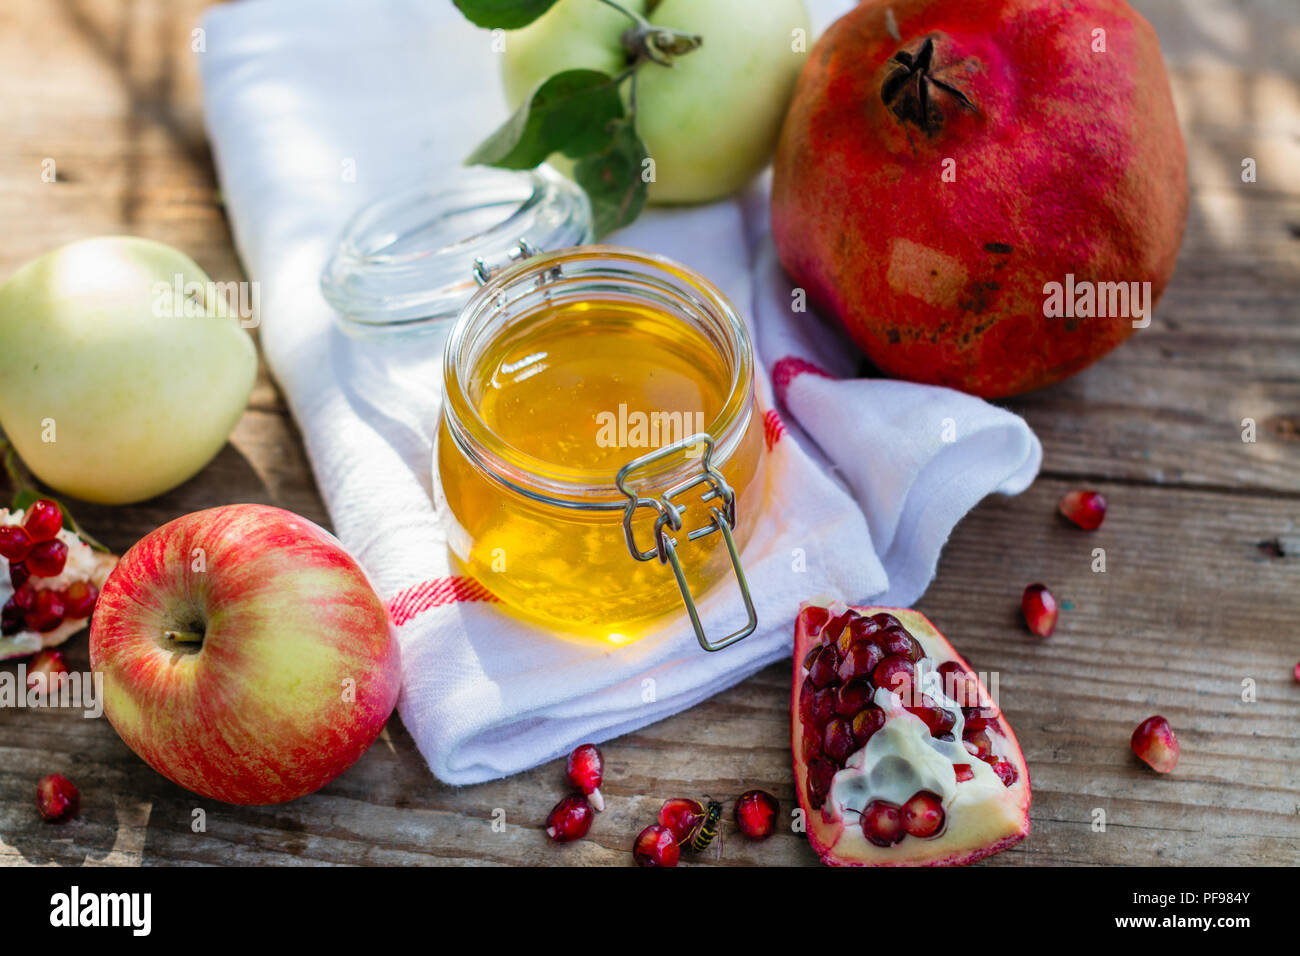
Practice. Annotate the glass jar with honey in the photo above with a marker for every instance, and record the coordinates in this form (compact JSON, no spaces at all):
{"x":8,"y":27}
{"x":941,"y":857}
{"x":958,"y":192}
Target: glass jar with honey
{"x":598,"y":463}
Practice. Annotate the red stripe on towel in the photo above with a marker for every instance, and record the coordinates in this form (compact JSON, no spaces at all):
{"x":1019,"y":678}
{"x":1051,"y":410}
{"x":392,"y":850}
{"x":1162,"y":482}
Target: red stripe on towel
{"x":786,"y":370}
{"x":419,"y":598}
{"x":773,"y":427}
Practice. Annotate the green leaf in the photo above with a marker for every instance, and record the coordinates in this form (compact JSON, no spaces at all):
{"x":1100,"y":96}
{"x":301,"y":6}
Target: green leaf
{"x":570,"y":113}
{"x":613,"y":180}
{"x":503,"y":14}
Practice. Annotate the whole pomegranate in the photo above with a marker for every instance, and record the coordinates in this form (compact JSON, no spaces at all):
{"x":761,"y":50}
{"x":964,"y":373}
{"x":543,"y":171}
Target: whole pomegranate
{"x":986,"y":195}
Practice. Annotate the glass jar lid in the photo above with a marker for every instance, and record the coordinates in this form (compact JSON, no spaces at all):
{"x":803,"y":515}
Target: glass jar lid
{"x":410,"y":260}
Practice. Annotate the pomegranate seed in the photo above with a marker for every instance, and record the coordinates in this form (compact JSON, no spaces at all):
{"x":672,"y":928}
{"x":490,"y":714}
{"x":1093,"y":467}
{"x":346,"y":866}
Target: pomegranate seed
{"x":959,"y":684}
{"x":882,"y":823}
{"x":895,"y":673}
{"x":938,"y":720}
{"x":806,"y":693}
{"x":756,"y":812}
{"x":15,"y":542}
{"x":585,"y":769}
{"x":57,"y":798}
{"x":883,"y":621}
{"x":898,"y":641}
{"x":814,"y":619}
{"x":47,"y":611}
{"x":18,"y":574}
{"x":11,"y":618}
{"x":923,"y":814}
{"x":812,"y":742}
{"x":1297,"y":672}
{"x":80,"y":597}
{"x":681,"y":815}
{"x":655,"y":846}
{"x":813,"y":653}
{"x":836,"y":627}
{"x":978,"y":743}
{"x":1006,"y":771}
{"x":853,"y":696}
{"x":866,"y":723}
{"x":823,"y":708}
{"x":822,"y":673}
{"x":1155,"y":743}
{"x":43,"y":520}
{"x":47,"y":558}
{"x":978,"y":718}
{"x":1084,"y":508}
{"x":964,"y":772}
{"x":838,"y":740}
{"x":25,"y":597}
{"x":570,"y":819}
{"x":820,"y":773}
{"x":49,"y":663}
{"x":1040,"y":609}
{"x":863,"y":627}
{"x":860,"y":660}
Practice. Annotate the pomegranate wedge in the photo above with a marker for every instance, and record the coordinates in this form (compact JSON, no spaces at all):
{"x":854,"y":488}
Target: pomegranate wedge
{"x":928,"y":772}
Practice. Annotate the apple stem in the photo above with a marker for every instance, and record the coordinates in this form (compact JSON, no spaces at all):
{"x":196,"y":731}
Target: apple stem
{"x":183,"y":637}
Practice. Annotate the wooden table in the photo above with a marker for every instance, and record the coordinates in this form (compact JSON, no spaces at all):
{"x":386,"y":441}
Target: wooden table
{"x":1200,"y":598}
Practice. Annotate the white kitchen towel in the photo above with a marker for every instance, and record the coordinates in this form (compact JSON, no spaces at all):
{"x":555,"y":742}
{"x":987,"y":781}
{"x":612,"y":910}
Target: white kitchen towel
{"x":314,"y":108}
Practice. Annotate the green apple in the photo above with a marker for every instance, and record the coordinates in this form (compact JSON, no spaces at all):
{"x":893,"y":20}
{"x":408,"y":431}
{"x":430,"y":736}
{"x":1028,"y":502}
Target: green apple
{"x":122,"y":370}
{"x":710,"y":121}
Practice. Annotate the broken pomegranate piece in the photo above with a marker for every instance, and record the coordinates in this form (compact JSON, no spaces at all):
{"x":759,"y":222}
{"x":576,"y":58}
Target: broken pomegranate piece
{"x":928,"y":773}
{"x":1155,"y":743}
{"x":49,"y":580}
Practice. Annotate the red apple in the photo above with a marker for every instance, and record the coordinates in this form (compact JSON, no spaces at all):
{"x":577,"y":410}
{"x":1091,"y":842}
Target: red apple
{"x":245,"y":655}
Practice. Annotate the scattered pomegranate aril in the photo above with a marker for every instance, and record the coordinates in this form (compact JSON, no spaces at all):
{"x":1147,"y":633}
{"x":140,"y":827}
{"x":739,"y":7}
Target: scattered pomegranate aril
{"x":923,"y":814}
{"x":47,"y":558}
{"x":1040,"y":609}
{"x":882,"y":823}
{"x":57,"y":798}
{"x":656,"y":846}
{"x":47,"y":612}
{"x":866,"y":722}
{"x":681,"y":815}
{"x":837,"y":741}
{"x":964,"y":772}
{"x":1087,"y":509}
{"x":49,"y":663}
{"x":1155,"y":743}
{"x":15,"y":542}
{"x":853,"y":696}
{"x":895,"y":673}
{"x":80,"y":598}
{"x":756,"y":812}
{"x":586,"y":768}
{"x":570,"y":819}
{"x":43,"y":520}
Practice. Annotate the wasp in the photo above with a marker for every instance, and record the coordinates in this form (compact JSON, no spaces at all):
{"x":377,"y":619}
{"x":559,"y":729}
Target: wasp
{"x":707,"y":829}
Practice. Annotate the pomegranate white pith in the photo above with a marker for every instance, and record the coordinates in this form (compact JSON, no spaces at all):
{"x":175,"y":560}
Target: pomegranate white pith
{"x":82,"y":564}
{"x":928,"y":750}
